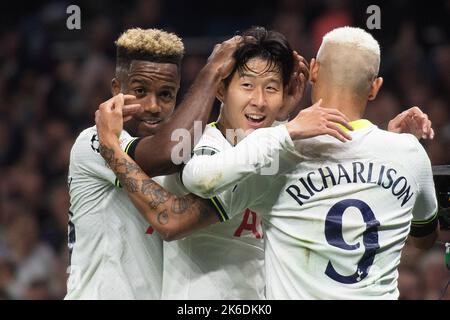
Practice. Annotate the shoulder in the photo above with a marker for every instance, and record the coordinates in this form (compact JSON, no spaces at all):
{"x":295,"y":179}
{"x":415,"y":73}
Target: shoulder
{"x":396,"y":142}
{"x":86,"y":140}
{"x":211,"y":141}
{"x":403,"y":149}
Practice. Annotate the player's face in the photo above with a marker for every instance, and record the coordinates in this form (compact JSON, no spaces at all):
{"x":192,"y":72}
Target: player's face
{"x":253,"y":98}
{"x":155,"y":86}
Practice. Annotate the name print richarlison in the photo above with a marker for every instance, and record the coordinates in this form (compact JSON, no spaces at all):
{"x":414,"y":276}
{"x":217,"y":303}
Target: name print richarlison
{"x":316,"y":181}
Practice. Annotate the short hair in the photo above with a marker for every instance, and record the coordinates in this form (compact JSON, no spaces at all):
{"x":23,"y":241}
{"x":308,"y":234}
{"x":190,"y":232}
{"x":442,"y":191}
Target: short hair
{"x":355,"y":38}
{"x":268,"y":45}
{"x":149,"y":44}
{"x":351,"y":58}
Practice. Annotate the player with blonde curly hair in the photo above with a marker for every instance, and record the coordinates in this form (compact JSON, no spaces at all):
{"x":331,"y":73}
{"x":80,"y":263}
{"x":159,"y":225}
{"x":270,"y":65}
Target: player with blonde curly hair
{"x":114,"y":253}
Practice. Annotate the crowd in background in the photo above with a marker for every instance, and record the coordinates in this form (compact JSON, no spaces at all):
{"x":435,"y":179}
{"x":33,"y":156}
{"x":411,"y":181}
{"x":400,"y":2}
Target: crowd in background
{"x":52,"y":80}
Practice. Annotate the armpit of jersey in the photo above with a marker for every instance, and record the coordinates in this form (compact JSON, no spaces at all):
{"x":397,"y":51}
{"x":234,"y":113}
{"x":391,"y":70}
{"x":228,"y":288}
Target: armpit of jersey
{"x":424,"y":228}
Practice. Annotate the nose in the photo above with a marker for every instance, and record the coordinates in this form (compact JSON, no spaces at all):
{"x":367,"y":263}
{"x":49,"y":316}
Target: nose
{"x":150,"y":104}
{"x":258,"y":98}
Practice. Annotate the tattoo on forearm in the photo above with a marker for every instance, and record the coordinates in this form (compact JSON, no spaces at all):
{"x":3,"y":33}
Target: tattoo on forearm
{"x":163,"y":217}
{"x":129,"y":167}
{"x":129,"y":183}
{"x":106,"y":153}
{"x":157,"y":193}
{"x":134,"y":180}
{"x":180,"y":205}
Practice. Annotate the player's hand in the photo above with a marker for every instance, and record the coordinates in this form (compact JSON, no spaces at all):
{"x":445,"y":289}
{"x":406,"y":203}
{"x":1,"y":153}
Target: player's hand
{"x":412,"y":121}
{"x":221,"y":59}
{"x":111,"y":115}
{"x":315,"y":121}
{"x":296,"y":86}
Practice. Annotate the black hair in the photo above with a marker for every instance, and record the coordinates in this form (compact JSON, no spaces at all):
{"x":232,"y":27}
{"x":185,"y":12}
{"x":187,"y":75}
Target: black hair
{"x":268,"y":45}
{"x":125,"y":57}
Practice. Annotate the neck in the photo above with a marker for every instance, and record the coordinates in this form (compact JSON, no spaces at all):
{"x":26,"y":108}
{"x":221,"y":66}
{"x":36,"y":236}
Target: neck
{"x":350,"y":105}
{"x":232,"y":134}
{"x":223,"y":125}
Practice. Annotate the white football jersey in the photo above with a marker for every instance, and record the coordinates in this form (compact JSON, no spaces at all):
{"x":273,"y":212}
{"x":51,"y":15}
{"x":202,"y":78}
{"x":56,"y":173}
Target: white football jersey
{"x":337,"y":215}
{"x":222,"y":261}
{"x":114,"y":252}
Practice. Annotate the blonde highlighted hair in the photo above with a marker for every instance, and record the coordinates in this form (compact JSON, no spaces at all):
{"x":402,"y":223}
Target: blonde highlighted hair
{"x":149,"y":44}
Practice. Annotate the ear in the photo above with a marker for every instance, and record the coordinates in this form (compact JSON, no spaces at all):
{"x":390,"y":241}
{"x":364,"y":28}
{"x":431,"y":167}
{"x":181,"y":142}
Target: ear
{"x":220,"y":95}
{"x":375,"y":87}
{"x":282,"y":115}
{"x":115,"y":86}
{"x":313,"y":71}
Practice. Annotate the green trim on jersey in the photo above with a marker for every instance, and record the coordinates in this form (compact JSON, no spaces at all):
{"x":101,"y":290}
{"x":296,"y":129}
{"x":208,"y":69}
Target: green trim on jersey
{"x":220,"y":210}
{"x":213,"y":124}
{"x":128,"y":145}
{"x":425,"y":227}
{"x":419,"y":223}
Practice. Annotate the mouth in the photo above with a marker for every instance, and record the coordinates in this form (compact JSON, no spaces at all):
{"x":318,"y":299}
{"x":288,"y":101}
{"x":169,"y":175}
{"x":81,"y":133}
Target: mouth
{"x":255,"y":120}
{"x":151,"y":123}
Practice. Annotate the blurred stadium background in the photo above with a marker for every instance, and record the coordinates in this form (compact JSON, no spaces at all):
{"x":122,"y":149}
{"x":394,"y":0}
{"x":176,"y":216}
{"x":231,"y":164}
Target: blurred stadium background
{"x":52,"y":80}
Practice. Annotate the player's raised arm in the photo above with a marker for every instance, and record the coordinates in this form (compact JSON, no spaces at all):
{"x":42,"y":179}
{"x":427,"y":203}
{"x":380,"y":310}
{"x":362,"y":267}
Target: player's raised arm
{"x":413,"y":121}
{"x":153,"y":153}
{"x":208,"y":175}
{"x":171,"y":216}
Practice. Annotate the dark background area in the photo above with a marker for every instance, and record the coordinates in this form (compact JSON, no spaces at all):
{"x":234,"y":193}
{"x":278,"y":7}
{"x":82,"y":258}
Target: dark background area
{"x":52,"y":80}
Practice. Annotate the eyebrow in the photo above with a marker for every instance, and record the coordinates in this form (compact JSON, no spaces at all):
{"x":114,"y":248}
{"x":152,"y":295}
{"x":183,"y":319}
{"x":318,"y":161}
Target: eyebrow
{"x":273,"y":78}
{"x":145,"y":82}
{"x":137,"y":80}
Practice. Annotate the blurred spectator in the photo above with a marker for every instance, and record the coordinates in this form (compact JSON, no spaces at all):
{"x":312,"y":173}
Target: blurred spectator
{"x":410,"y":284}
{"x":435,"y":274}
{"x":34,"y":260}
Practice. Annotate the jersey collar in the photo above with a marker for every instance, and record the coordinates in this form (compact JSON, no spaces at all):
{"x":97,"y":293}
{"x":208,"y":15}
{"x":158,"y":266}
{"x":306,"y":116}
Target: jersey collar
{"x":357,"y":125}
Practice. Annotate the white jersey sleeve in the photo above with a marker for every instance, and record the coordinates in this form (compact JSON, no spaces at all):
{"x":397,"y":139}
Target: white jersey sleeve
{"x":210,"y":172}
{"x":425,"y":209}
{"x":86,"y":155}
{"x":113,"y":252}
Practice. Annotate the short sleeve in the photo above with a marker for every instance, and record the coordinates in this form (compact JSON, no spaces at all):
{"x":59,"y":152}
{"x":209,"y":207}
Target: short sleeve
{"x":86,"y":159}
{"x":425,"y":208}
{"x":212,"y":171}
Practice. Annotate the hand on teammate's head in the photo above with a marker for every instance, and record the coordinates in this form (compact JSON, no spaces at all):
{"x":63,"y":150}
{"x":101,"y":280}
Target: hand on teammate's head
{"x":221,"y":59}
{"x":296,"y":86}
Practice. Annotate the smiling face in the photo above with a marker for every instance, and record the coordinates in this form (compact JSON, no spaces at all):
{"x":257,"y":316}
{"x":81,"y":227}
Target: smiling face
{"x":155,"y":86}
{"x":253,"y":97}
